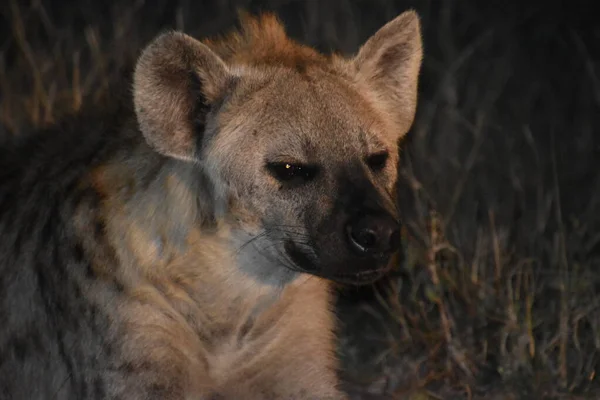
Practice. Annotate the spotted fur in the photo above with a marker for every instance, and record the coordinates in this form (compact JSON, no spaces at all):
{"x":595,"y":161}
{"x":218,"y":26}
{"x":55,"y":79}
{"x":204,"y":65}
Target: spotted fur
{"x":142,"y":252}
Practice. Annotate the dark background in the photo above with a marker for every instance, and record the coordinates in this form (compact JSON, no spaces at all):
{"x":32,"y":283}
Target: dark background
{"x":497,"y":293}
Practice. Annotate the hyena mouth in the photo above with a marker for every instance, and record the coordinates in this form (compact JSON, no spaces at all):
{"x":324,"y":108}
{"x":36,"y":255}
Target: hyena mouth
{"x":361,"y":278}
{"x":300,"y":257}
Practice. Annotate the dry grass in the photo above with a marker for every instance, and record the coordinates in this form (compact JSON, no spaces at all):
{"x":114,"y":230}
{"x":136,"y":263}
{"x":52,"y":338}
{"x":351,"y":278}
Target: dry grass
{"x":497,"y":295}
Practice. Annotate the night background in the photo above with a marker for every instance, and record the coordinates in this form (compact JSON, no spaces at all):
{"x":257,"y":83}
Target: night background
{"x":497,"y":293}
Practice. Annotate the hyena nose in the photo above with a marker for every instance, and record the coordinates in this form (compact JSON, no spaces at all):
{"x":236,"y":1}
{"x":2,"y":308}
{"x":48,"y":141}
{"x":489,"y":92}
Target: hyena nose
{"x":373,"y":234}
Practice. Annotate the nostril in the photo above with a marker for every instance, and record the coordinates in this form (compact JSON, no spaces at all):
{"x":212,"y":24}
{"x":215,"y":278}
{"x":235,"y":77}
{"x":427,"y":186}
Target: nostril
{"x":378,"y":235}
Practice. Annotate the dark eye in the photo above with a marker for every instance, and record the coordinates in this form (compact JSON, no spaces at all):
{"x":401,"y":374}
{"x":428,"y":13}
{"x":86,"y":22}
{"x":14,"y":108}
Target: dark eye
{"x":292,"y":173}
{"x":377,"y":161}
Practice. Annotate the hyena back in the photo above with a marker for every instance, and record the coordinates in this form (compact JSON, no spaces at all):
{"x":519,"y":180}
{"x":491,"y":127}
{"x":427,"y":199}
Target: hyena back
{"x":180,"y":242}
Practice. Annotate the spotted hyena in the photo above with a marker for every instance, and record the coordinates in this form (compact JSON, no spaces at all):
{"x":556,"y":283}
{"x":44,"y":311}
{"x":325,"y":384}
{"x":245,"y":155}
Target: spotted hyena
{"x":180,"y":242}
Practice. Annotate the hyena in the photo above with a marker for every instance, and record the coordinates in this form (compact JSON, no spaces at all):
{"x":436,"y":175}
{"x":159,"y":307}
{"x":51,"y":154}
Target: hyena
{"x":181,"y":241}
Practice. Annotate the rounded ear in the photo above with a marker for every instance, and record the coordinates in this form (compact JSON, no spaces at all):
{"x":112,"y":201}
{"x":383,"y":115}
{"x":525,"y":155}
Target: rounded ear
{"x":176,"y":80}
{"x":390,"y":62}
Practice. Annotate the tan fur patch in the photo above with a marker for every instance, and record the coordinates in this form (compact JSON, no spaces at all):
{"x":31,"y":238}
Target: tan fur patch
{"x":218,"y":339}
{"x":262,"y":40}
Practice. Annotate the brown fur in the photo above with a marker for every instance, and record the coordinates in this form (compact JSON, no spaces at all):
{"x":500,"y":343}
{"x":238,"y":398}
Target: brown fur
{"x":201,"y":313}
{"x":263,"y":41}
{"x":210,"y":328}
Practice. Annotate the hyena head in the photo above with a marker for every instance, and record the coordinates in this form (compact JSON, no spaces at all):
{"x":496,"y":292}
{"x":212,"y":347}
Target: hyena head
{"x":301,"y":147}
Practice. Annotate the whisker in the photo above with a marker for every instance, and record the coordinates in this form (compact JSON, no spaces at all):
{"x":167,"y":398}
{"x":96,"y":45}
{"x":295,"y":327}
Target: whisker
{"x":250,"y":241}
{"x":279,"y":260}
{"x":283,"y":233}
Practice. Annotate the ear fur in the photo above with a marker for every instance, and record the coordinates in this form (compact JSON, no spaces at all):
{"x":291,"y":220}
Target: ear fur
{"x":176,"y":79}
{"x":390,"y":62}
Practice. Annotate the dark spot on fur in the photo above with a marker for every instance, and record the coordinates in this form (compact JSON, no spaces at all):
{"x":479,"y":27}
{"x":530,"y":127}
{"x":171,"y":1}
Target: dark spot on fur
{"x":35,"y":339}
{"x":158,"y":391}
{"x":301,"y":68}
{"x":76,"y":291}
{"x":126,"y":368}
{"x":99,"y":228}
{"x":90,"y":273}
{"x":118,"y":286}
{"x":99,"y":390}
{"x":93,"y":311}
{"x":78,"y":253}
{"x":51,"y":227}
{"x":108,"y":350}
{"x":245,"y":329}
{"x":20,"y":347}
{"x":79,"y":196}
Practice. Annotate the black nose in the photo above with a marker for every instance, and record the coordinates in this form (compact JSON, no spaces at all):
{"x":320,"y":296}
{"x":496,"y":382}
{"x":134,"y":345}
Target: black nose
{"x":374,"y":234}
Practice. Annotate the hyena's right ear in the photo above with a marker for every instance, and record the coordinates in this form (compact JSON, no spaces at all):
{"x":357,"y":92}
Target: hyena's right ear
{"x":176,"y":80}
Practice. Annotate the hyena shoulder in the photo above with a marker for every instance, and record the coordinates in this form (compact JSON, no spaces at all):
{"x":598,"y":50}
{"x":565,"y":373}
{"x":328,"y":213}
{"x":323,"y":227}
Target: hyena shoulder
{"x":55,"y":338}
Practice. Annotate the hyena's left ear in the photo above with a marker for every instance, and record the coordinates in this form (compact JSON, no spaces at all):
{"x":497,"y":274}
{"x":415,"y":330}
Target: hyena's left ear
{"x":176,"y":80}
{"x":389,"y":62}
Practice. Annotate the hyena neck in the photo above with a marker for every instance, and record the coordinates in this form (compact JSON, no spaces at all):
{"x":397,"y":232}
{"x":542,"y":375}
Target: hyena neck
{"x":161,"y":213}
{"x":151,"y":204}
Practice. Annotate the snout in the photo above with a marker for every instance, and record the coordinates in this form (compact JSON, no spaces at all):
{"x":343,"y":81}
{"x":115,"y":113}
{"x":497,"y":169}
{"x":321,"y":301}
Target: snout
{"x":373,"y":235}
{"x":359,"y":253}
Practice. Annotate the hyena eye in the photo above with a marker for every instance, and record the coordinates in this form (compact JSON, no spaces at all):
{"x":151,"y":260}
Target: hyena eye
{"x":292,"y":173}
{"x":377,"y":161}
